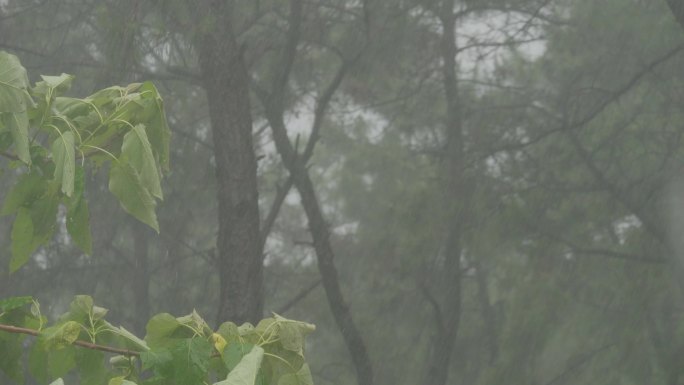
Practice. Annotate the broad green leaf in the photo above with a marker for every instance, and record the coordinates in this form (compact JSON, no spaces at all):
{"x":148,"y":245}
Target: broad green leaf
{"x":125,"y":184}
{"x":106,"y":95}
{"x":159,"y":328}
{"x":229,"y":331}
{"x":157,"y":127}
{"x":191,"y":360}
{"x":43,"y":215}
{"x":61,"y":362}
{"x":184,"y":362}
{"x":65,"y":161}
{"x":267,"y":327}
{"x":38,"y":362}
{"x":156,"y":358}
{"x":195,"y":321}
{"x":71,"y":108}
{"x":246,"y":371}
{"x":246,"y":329}
{"x":18,"y":125}
{"x":11,"y":352}
{"x":128,"y":339}
{"x":78,"y":215}
{"x":12,"y":303}
{"x":22,"y":239}
{"x":99,"y":312}
{"x":32,"y":227}
{"x":28,"y":188}
{"x":13,"y":84}
{"x":60,"y":84}
{"x":233,"y":353}
{"x":120,"y":381}
{"x":60,"y":336}
{"x":292,"y":333}
{"x":91,"y":367}
{"x":80,"y":309}
{"x":5,"y":138}
{"x":302,"y":377}
{"x":138,"y":153}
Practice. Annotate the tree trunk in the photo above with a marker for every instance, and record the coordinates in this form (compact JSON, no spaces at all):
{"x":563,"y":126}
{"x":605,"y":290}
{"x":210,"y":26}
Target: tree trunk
{"x":456,"y":201}
{"x":488,"y":313}
{"x":677,"y":8}
{"x":140,"y":276}
{"x":324,"y":251}
{"x":226,"y":81}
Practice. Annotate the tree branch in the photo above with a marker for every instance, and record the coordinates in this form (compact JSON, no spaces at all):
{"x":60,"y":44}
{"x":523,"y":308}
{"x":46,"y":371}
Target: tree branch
{"x":300,"y":296}
{"x":278,"y":201}
{"x":83,"y":344}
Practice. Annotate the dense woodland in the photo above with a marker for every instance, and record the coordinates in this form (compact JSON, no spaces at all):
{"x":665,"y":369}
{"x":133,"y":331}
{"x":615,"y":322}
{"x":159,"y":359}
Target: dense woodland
{"x":453,"y":191}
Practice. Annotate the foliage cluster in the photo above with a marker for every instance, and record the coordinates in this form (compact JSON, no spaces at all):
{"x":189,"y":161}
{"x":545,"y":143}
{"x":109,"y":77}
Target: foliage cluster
{"x":52,"y":139}
{"x":176,"y":350}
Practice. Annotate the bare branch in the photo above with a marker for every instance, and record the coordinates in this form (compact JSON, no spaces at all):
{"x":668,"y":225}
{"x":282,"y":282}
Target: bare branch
{"x":300,"y":296}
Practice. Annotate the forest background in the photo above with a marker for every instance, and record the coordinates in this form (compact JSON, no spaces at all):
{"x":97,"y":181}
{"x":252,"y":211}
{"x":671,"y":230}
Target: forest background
{"x":454,"y":192}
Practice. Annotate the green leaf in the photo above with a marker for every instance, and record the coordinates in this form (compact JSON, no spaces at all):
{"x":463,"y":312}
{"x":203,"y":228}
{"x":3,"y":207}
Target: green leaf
{"x":229,"y":331}
{"x":232,"y":355}
{"x":43,"y":215}
{"x":8,"y":304}
{"x":246,"y":329}
{"x":120,"y":381}
{"x":157,"y":127}
{"x":58,"y":381}
{"x":28,"y":188}
{"x":71,"y":108}
{"x":5,"y":138}
{"x":22,"y":239}
{"x":302,"y":377}
{"x":80,"y":309}
{"x":292,"y":334}
{"x":61,"y":362}
{"x":11,"y":351}
{"x":192,"y":357}
{"x":246,"y":371}
{"x":155,"y":358}
{"x":78,"y":215}
{"x":32,"y":227}
{"x":60,"y":83}
{"x":91,"y":367}
{"x":186,"y":362}
{"x":65,"y":161}
{"x":128,"y":339}
{"x":38,"y":362}
{"x":13,"y":84}
{"x":18,"y":124}
{"x":125,"y":184}
{"x":137,"y":151}
{"x":160,"y":328}
{"x":60,"y":336}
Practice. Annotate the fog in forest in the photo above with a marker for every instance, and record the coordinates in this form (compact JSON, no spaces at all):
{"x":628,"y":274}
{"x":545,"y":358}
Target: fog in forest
{"x":466,"y":192}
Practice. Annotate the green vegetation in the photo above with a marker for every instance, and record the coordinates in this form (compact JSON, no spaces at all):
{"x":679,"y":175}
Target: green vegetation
{"x":455,"y":192}
{"x":126,"y":128}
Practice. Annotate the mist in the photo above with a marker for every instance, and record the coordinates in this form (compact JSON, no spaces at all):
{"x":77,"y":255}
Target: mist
{"x":466,"y":192}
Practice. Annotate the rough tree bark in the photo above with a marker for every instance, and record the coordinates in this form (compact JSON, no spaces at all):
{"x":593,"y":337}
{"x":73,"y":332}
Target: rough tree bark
{"x":226,"y":81}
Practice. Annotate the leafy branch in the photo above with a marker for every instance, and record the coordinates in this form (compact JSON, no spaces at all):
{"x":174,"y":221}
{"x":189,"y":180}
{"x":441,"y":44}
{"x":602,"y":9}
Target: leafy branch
{"x":84,"y":344}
